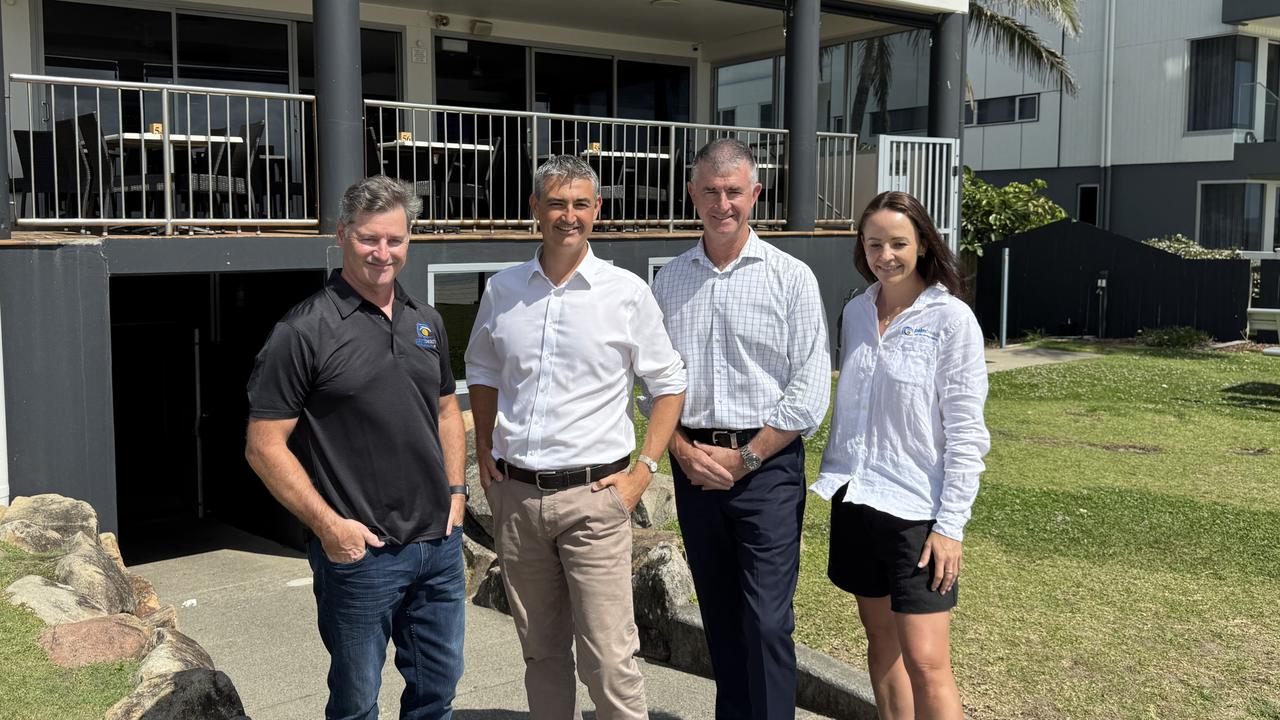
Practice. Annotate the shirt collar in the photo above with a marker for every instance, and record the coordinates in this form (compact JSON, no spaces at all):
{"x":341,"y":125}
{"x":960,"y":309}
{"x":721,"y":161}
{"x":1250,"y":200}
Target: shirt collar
{"x":346,"y":299}
{"x":752,"y":249}
{"x":589,"y":269}
{"x":934,"y":293}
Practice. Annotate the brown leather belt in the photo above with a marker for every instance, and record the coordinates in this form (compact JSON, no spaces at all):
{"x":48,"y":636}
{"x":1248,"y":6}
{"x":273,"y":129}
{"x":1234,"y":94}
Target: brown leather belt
{"x":732,"y":439}
{"x":553,"y":480}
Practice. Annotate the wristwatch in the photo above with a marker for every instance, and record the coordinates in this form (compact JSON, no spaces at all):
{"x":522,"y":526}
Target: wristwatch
{"x":750,"y":460}
{"x":648,"y":462}
{"x":462,"y":490}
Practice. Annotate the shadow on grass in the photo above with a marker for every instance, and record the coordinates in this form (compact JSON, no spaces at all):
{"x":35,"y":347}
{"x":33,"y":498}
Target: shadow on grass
{"x":1126,"y":525}
{"x":1130,"y":348}
{"x":518,"y":715}
{"x":1253,"y":395}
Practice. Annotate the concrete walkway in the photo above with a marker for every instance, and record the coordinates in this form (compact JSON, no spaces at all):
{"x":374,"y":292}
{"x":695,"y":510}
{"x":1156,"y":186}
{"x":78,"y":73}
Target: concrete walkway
{"x":1017,"y":356}
{"x":248,"y":601}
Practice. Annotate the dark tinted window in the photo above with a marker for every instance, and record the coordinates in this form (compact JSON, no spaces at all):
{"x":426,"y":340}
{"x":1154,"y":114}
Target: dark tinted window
{"x":233,"y":53}
{"x":1087,"y":204}
{"x":379,"y":62}
{"x":653,"y":91}
{"x":996,"y":110}
{"x":107,"y":43}
{"x":480,"y":74}
{"x":1219,"y":93}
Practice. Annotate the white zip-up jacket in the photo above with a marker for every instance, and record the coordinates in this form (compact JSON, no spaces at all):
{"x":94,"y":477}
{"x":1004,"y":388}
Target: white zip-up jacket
{"x":907,"y":432}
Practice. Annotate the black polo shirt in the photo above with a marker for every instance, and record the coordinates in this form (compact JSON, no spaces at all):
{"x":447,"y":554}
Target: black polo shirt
{"x":366,"y":393}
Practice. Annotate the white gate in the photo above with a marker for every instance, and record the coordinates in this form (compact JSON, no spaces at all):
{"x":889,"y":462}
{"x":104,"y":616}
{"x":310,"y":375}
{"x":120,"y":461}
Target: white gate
{"x":929,"y":169}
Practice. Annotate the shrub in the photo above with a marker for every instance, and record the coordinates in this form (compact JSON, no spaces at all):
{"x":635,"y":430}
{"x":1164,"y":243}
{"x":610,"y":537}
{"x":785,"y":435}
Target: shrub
{"x":989,"y":213}
{"x":1185,"y":247}
{"x":1180,"y":337}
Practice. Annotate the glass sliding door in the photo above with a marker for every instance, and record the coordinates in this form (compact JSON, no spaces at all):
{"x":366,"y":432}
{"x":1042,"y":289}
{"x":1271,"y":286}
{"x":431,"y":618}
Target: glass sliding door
{"x":1231,"y":215}
{"x":744,"y":94}
{"x":1271,"y":98}
{"x":653,"y":91}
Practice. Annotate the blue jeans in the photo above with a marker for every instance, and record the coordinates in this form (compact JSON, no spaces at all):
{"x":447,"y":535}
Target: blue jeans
{"x":413,"y":595}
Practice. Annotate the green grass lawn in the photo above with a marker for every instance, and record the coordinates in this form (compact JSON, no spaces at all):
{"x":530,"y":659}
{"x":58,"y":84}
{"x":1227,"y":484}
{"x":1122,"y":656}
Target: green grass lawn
{"x":32,"y":687}
{"x":1124,"y":552}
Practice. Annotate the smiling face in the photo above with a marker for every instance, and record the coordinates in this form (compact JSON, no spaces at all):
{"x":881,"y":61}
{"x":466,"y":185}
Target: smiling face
{"x":565,"y":213}
{"x":892,"y":247}
{"x":724,"y":201}
{"x":374,"y":248}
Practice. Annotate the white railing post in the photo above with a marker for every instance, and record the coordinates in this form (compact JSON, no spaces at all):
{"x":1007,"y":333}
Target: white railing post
{"x":166,"y":147}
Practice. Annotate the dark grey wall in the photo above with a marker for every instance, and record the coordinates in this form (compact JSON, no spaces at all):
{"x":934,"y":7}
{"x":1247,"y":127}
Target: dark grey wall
{"x":57,"y":362}
{"x":1149,"y":200}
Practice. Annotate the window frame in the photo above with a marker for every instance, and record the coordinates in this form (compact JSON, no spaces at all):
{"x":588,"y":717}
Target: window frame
{"x":1270,"y":199}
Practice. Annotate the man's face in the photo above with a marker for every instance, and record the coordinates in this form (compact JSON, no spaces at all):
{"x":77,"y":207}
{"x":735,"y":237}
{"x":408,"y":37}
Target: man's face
{"x":724,"y":201}
{"x":374,"y":247}
{"x":566,"y":213}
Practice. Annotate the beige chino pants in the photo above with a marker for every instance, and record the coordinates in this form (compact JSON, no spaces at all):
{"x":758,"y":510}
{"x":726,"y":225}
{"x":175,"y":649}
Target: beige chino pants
{"x":566,"y":563}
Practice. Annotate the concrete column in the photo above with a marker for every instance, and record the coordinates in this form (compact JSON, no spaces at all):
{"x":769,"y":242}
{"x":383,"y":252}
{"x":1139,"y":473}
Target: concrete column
{"x":6,"y":208}
{"x":946,"y":76}
{"x":338,"y":105}
{"x":800,"y":117}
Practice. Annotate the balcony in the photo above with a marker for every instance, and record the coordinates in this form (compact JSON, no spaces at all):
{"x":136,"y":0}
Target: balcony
{"x":119,"y":157}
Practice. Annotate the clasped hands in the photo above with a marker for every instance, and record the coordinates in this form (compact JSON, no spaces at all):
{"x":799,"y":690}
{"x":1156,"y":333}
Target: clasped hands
{"x":710,"y":467}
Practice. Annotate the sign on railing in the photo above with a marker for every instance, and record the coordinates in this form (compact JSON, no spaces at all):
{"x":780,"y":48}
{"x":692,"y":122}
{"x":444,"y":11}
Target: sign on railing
{"x":121,"y":154}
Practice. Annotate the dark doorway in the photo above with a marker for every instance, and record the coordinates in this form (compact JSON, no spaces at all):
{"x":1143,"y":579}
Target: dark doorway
{"x":182,"y":348}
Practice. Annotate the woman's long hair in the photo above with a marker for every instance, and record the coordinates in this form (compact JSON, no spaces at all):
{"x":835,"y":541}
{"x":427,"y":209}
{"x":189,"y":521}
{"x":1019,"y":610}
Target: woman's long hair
{"x":938,"y":265}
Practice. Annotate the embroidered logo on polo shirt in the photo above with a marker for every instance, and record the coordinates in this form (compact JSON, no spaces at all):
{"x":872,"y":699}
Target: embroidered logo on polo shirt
{"x":426,"y":337}
{"x":919,"y":331}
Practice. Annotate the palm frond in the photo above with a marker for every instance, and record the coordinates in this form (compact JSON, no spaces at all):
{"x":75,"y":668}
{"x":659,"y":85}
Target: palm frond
{"x":1004,"y":35}
{"x":1063,"y":13}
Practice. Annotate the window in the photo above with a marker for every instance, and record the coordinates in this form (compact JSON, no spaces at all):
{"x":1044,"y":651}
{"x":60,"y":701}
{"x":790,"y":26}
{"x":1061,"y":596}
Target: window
{"x":1028,"y":108}
{"x":831,"y":89}
{"x":1231,"y":215}
{"x":480,"y":74}
{"x":454,"y":290}
{"x":900,"y":121}
{"x":656,"y":264}
{"x":746,"y":91}
{"x":999,"y":110}
{"x":1271,"y":98}
{"x":1087,"y":204}
{"x":1220,"y":91}
{"x":653,"y":91}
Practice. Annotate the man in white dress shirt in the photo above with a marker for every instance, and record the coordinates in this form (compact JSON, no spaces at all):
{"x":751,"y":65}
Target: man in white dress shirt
{"x":557,"y":344}
{"x":749,"y":322}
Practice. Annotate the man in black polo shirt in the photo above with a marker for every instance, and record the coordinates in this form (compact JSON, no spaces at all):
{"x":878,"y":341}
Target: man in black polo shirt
{"x":355,"y":429}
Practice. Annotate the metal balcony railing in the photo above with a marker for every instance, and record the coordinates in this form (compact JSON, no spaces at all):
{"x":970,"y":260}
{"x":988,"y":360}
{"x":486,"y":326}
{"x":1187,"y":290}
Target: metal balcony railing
{"x":176,"y":157}
{"x":473,"y":167}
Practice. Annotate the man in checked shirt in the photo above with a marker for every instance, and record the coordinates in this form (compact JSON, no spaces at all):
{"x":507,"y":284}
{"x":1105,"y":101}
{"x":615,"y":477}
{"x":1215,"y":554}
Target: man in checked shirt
{"x":749,"y":323}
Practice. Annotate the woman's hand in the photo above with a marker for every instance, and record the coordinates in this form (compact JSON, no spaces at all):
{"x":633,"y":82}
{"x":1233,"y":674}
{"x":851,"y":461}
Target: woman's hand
{"x":947,"y":557}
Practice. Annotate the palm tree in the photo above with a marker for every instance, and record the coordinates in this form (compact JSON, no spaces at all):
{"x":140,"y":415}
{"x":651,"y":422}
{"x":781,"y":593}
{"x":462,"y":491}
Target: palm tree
{"x":992,"y":23}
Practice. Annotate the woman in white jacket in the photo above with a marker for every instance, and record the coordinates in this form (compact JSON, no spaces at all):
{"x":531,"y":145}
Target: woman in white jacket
{"x":902,"y":464}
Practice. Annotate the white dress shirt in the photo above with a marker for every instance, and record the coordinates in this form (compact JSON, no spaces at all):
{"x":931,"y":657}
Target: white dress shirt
{"x":907,"y":434}
{"x":564,"y":360}
{"x":753,"y":337}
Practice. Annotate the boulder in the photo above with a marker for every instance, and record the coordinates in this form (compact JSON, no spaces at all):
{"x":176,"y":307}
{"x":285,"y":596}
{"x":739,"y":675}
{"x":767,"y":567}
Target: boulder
{"x":51,"y":602}
{"x":99,"y":639}
{"x":30,"y":536}
{"x":478,"y":559}
{"x":111,"y":545}
{"x":91,"y":571}
{"x":657,"y":506}
{"x":491,"y":592}
{"x":3,"y":509}
{"x":145,"y":599}
{"x":661,"y":586}
{"x":173,"y":652}
{"x":479,"y":520}
{"x":166,"y":616}
{"x":62,"y":515}
{"x":197,"y":694}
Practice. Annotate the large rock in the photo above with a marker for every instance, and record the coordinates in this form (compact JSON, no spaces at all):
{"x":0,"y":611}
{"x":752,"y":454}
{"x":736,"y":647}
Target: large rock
{"x":657,"y":506}
{"x":491,"y":592}
{"x":145,"y":600}
{"x":3,"y":509}
{"x":479,"y":519}
{"x":62,"y":515}
{"x":100,"y":639}
{"x":198,"y":694}
{"x":478,"y":559}
{"x":51,"y":602}
{"x":173,"y":653}
{"x":30,"y":536}
{"x":91,"y":571}
{"x":164,"y":617}
{"x":111,"y":546}
{"x":661,"y":588}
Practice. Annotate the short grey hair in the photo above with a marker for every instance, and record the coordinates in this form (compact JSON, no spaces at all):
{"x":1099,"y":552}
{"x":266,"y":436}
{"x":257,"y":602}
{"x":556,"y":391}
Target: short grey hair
{"x":561,"y":169}
{"x":379,"y":194}
{"x":723,"y":156}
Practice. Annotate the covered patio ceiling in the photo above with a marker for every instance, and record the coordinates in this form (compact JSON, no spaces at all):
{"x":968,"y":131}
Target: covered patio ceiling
{"x":714,"y":24}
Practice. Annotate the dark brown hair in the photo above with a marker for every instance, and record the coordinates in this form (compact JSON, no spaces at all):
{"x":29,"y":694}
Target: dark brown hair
{"x":938,"y":265}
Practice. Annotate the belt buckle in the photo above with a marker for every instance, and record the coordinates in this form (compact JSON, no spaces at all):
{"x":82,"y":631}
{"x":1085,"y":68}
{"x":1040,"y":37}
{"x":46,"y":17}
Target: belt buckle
{"x":733,"y":437}
{"x":537,"y":480}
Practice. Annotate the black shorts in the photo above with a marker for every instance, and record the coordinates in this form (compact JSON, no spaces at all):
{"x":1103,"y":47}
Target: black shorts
{"x":874,"y":554}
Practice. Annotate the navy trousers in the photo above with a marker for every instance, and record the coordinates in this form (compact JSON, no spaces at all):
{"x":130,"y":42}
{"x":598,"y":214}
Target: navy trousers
{"x":743,"y":546}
